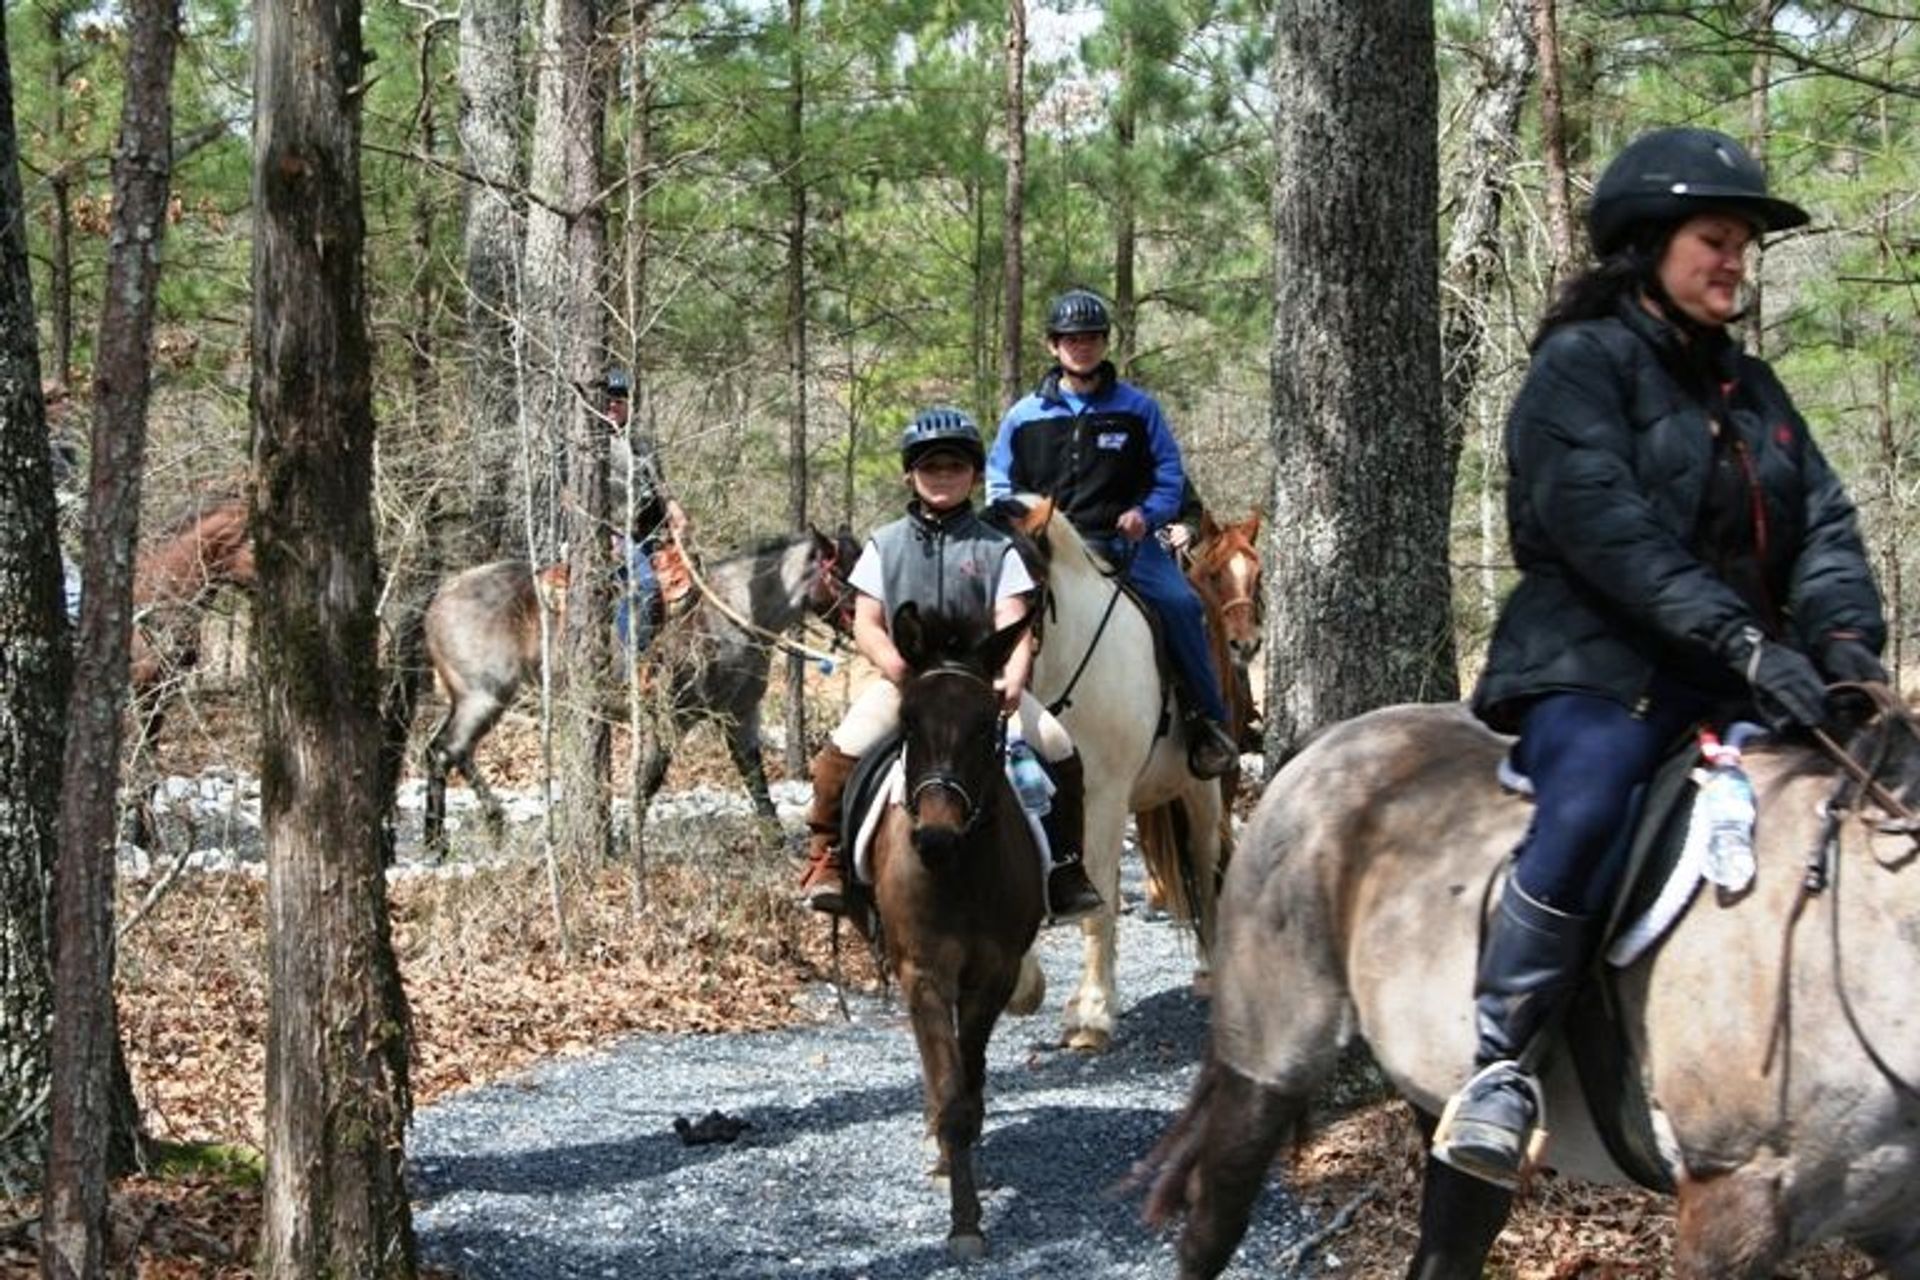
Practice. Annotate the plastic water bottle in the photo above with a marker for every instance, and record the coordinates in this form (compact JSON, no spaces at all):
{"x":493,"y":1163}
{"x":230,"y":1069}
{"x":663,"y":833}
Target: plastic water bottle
{"x":1726,"y":808}
{"x":1029,"y":776}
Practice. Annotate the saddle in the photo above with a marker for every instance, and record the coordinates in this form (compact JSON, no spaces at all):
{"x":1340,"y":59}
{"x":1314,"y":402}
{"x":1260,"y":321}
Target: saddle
{"x":1611,"y":1072}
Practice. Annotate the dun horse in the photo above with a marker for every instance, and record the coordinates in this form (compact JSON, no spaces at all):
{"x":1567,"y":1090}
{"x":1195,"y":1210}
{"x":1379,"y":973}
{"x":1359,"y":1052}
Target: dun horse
{"x":1095,"y":654}
{"x":1773,"y":1029}
{"x":957,"y":883}
{"x":483,"y":638}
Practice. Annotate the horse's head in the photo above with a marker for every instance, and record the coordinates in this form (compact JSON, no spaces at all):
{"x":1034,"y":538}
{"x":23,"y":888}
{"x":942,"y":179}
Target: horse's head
{"x":950,"y":713}
{"x":830,"y":596}
{"x":1226,"y":567}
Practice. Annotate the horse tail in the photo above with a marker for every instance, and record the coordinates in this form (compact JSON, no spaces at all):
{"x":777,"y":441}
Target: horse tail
{"x":1166,"y":848}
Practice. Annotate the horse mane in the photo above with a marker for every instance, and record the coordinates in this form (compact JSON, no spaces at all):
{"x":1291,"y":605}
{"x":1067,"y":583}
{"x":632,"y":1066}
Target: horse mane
{"x":202,"y":505}
{"x":1022,"y":518}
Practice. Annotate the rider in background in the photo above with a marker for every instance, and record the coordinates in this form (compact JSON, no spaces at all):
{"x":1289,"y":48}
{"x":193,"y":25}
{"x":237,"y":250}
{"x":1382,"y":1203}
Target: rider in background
{"x":1101,"y":449}
{"x":1685,"y":553}
{"x":942,"y":556}
{"x":651,"y":557}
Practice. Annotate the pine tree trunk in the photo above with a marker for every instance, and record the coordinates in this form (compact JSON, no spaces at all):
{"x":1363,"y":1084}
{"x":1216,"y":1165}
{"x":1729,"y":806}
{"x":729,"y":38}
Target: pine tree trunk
{"x":337,"y":1094}
{"x":566,"y":278}
{"x":1553,"y":144}
{"x":85,"y":1109}
{"x":1358,"y":572}
{"x":1125,"y":124}
{"x":796,"y":749}
{"x":491,"y":91}
{"x":1014,"y":229}
{"x":35,"y":670}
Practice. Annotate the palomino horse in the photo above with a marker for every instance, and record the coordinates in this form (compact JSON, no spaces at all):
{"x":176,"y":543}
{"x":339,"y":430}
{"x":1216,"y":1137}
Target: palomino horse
{"x":1774,"y":1028}
{"x":956,"y":882}
{"x":483,"y":639}
{"x":1096,"y":659}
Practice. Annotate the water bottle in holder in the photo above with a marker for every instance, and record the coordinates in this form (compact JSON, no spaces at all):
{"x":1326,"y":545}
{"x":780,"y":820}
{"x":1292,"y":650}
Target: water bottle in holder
{"x":1028,"y":775}
{"x":1724,"y":811}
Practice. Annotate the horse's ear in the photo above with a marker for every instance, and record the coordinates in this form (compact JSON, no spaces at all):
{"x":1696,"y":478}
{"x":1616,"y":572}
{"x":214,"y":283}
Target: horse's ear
{"x":909,"y":634}
{"x":1251,"y":526}
{"x":993,"y":652}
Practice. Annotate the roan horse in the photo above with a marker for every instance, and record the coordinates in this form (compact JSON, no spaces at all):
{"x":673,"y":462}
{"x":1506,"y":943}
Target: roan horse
{"x":957,"y":883}
{"x":1095,"y":661}
{"x":1775,"y":1031}
{"x":483,"y":638}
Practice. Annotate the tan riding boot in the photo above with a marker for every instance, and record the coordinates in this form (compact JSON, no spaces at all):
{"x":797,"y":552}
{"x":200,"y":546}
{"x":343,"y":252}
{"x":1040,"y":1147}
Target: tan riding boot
{"x":821,"y":884}
{"x":1070,"y":894}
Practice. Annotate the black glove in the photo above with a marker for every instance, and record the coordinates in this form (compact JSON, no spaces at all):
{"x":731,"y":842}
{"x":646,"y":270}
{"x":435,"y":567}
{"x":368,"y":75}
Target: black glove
{"x":1848,"y":661}
{"x":1787,"y":690}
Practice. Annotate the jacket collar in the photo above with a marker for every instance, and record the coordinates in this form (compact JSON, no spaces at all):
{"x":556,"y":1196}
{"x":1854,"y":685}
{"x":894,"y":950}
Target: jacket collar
{"x":1700,"y":358}
{"x":928,"y":523}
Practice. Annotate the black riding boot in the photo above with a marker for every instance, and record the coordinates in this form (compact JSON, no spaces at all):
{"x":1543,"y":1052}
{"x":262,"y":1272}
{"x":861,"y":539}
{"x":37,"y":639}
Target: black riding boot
{"x":1533,"y":959}
{"x":1070,"y":894}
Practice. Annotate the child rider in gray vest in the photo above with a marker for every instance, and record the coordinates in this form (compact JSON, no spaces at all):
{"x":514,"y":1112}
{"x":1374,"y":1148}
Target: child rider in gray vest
{"x":942,"y":556}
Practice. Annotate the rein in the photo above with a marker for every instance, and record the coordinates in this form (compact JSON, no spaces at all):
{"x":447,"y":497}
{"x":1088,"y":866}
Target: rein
{"x":1824,"y":870}
{"x":1119,"y":576}
{"x":976,"y":809}
{"x":727,"y":611}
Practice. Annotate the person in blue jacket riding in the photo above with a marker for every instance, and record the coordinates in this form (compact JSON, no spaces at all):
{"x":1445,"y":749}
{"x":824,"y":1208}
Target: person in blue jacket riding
{"x":1100,"y":448}
{"x":1685,"y":554}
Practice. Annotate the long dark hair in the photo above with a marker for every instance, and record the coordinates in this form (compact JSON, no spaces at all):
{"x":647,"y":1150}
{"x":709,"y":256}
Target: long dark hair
{"x":1597,"y":291}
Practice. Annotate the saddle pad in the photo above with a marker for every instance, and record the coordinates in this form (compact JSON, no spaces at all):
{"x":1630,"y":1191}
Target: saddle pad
{"x":880,"y":780}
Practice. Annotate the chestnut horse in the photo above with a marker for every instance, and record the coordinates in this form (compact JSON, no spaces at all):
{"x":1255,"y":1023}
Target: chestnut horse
{"x":483,"y":638}
{"x":1223,"y":564}
{"x":957,"y":882}
{"x":173,"y":576}
{"x":1774,"y":1029}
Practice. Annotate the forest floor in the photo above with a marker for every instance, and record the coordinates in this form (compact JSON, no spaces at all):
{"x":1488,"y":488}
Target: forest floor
{"x":717,"y":946}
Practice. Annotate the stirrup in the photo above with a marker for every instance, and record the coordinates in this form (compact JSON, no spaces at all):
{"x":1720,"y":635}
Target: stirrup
{"x":1483,"y":1147}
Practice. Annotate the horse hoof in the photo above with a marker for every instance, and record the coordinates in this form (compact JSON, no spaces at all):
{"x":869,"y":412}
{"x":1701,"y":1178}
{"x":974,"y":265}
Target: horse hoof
{"x":1088,"y":1040}
{"x":967,"y":1248}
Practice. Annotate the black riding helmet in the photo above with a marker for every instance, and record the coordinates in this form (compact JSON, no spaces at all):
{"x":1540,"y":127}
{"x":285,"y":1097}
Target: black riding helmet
{"x":1668,"y":175}
{"x":1078,"y":311}
{"x":618,"y":385}
{"x":942,"y":427}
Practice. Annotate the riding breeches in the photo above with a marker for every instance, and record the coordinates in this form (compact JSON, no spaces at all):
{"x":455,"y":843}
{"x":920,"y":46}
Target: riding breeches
{"x":1182,"y":617}
{"x":1586,"y":756}
{"x":876,"y":713}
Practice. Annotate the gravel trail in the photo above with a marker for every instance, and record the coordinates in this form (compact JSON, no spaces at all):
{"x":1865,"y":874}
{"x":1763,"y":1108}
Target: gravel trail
{"x":574,"y":1170}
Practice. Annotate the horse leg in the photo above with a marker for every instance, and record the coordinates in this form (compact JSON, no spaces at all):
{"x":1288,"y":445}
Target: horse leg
{"x":1089,"y":1012}
{"x":743,"y":744}
{"x":655,"y":759}
{"x":1218,"y":1163}
{"x":960,"y":1126}
{"x":1460,"y":1217}
{"x":467,"y":721}
{"x":953,"y":1117}
{"x":1730,"y":1227}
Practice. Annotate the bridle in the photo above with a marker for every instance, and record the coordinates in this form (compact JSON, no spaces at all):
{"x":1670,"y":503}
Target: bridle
{"x":837,"y":608}
{"x":973,"y":807}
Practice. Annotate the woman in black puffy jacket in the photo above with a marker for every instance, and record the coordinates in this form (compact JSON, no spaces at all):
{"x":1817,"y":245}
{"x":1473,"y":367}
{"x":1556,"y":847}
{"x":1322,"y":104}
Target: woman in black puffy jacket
{"x":1685,"y":552}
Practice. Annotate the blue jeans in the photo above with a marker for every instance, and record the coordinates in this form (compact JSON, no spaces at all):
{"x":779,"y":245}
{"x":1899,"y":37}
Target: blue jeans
{"x":643,"y":591}
{"x":1182,"y":617}
{"x":1587,"y":757}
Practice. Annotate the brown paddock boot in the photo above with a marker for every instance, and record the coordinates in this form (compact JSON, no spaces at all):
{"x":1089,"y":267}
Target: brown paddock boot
{"x":821,"y":884}
{"x":1070,"y":895}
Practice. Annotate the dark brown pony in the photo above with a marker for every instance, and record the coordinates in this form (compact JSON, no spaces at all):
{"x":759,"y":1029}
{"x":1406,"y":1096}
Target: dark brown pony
{"x":957,"y":883}
{"x":1773,"y":1029}
{"x":483,"y":639}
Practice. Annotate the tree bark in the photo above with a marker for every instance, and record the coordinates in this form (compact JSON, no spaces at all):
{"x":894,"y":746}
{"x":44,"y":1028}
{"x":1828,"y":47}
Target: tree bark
{"x":1553,"y":144}
{"x":1474,"y":259}
{"x":1013,"y":232}
{"x":337,"y":1092}
{"x":1759,"y":140}
{"x":85,"y":1028}
{"x":491,"y":90}
{"x":566,"y":262}
{"x":1126,"y":119}
{"x":35,"y":671}
{"x":60,"y":193}
{"x":796,"y":751}
{"x":1358,"y":572}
